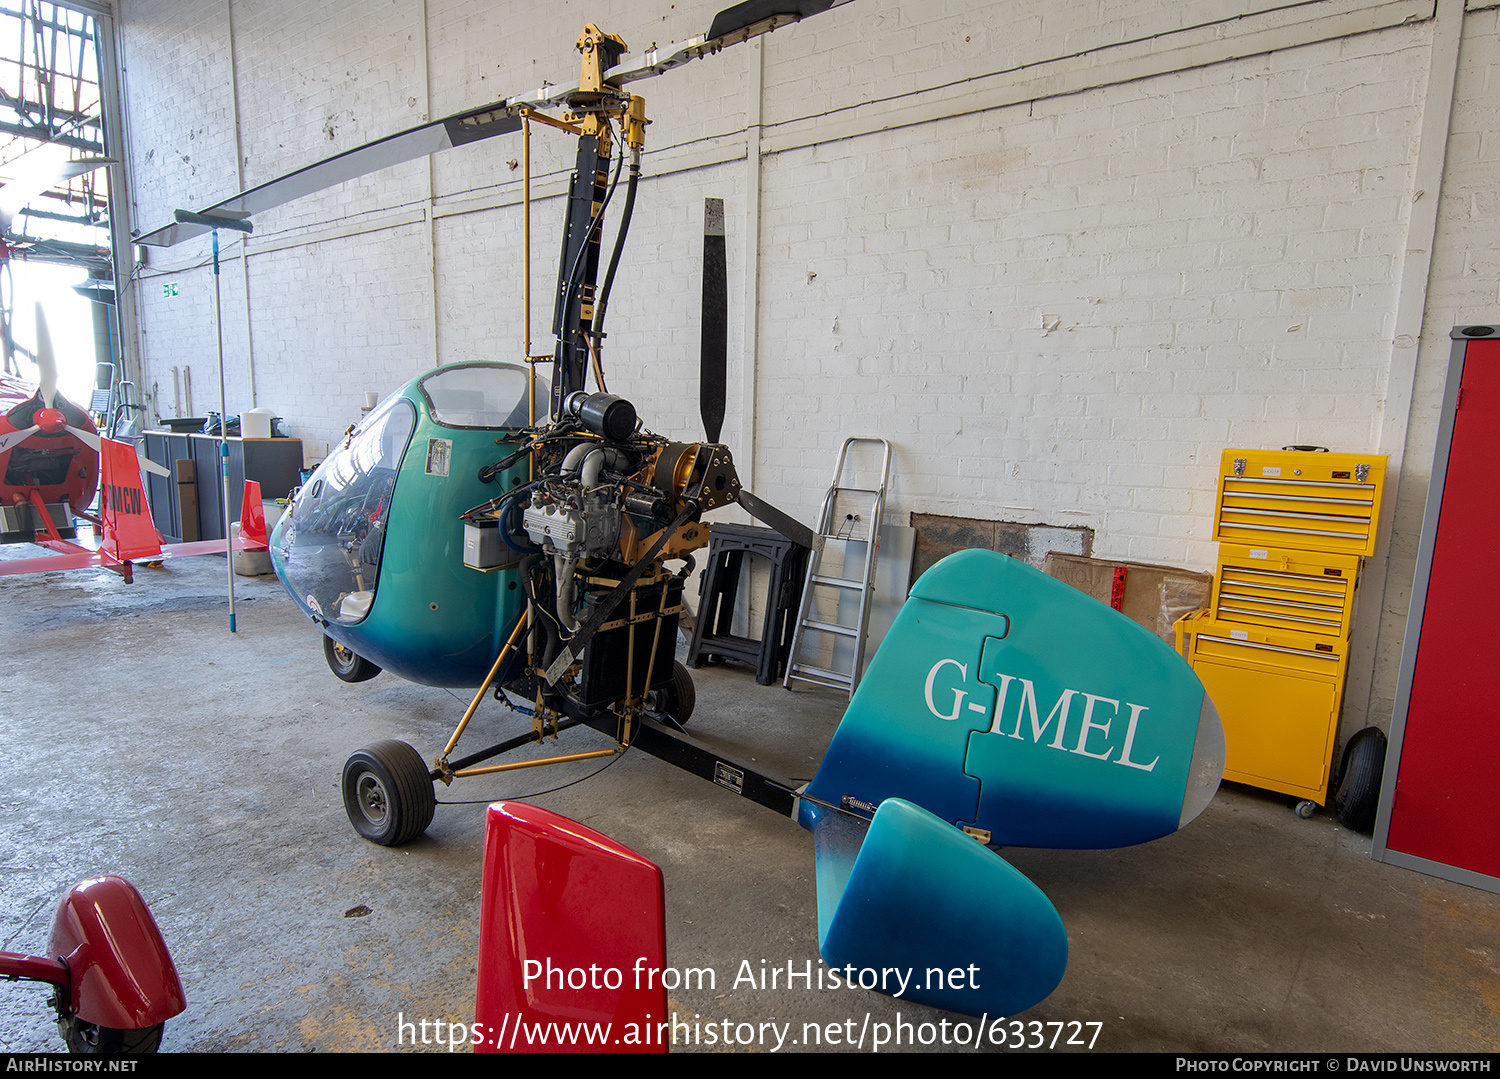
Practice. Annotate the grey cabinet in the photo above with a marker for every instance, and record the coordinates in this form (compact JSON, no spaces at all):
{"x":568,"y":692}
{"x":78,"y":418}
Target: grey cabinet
{"x":274,"y":463}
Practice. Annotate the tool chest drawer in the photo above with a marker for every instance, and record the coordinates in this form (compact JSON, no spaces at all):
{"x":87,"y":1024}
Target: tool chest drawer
{"x":1278,"y":651}
{"x":1307,"y":501}
{"x":1284,"y":589}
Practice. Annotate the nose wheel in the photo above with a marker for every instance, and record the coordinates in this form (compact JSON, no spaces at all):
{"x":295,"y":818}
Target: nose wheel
{"x":388,"y":793}
{"x":345,"y":664}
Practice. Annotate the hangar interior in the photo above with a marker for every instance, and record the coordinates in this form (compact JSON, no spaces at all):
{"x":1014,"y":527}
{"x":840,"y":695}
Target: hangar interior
{"x":1062,"y":256}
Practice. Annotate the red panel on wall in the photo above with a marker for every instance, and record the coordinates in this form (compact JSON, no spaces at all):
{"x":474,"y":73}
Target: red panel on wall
{"x":1447,"y":801}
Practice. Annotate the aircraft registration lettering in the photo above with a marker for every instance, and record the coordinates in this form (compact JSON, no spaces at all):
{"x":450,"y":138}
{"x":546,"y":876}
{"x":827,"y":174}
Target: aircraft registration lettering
{"x":123,"y":499}
{"x":1027,"y":708}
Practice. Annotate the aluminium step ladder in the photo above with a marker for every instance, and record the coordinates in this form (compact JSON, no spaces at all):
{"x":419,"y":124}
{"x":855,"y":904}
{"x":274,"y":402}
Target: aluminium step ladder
{"x":837,"y":597}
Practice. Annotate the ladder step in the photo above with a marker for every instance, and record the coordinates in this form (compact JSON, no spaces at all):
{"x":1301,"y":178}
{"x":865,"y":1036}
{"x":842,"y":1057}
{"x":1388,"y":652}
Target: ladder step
{"x":819,"y":676}
{"x":837,"y":582}
{"x":830,"y":627}
{"x":859,"y":532}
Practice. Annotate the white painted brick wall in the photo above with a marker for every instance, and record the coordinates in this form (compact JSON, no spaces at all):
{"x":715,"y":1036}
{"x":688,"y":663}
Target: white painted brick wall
{"x":1464,"y":289}
{"x":1060,"y":310}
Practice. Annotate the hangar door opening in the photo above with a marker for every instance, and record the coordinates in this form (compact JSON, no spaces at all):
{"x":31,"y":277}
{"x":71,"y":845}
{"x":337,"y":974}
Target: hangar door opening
{"x":57,"y":249}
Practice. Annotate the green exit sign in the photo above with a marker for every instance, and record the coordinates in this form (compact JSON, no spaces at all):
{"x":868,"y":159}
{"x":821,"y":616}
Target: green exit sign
{"x":169,"y":290}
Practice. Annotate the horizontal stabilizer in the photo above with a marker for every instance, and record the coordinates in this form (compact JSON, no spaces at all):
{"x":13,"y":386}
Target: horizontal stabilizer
{"x":932,"y":916}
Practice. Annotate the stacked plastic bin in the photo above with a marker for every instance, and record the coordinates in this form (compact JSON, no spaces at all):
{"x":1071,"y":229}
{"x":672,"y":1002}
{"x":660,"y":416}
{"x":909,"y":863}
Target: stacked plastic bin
{"x":1272,"y":649}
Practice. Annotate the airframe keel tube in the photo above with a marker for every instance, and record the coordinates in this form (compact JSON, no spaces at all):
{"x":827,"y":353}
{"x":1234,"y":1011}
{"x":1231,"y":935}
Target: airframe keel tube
{"x":666,"y":745}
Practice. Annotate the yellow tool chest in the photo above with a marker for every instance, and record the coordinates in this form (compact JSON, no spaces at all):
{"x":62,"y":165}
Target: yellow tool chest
{"x":1273,"y":646}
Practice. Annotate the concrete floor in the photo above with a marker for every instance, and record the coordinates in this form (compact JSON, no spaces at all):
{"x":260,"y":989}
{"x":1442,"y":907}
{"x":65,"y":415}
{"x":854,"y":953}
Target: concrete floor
{"x":143,"y":739}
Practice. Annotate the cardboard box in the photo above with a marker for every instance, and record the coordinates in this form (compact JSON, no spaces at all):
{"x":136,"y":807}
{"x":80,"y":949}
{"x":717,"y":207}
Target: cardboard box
{"x":1154,"y":596}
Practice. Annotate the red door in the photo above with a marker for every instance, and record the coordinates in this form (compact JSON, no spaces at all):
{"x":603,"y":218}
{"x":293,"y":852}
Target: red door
{"x":1447,"y":800}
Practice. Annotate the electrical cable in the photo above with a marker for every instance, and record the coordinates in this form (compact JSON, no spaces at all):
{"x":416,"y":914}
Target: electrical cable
{"x":537,"y":794}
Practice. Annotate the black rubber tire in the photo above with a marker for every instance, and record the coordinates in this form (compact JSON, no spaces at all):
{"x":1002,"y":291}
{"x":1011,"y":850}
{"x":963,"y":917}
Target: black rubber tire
{"x":1359,"y":780}
{"x":677,"y":698}
{"x":87,"y":1040}
{"x":345,"y":664}
{"x":388,"y":793}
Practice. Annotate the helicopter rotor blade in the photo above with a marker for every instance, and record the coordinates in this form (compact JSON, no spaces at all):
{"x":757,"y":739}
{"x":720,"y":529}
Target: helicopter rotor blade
{"x":714,"y":359}
{"x":460,"y":129}
{"x":733,"y":25}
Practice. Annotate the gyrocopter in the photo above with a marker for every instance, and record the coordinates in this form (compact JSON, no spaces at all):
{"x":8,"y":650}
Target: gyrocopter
{"x":484,"y":528}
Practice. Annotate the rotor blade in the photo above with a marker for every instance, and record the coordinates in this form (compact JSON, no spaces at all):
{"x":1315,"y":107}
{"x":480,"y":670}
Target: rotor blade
{"x":789,"y":527}
{"x":15,"y":438}
{"x":46,"y":363}
{"x":459,"y":129}
{"x":714,"y":359}
{"x":750,"y":14}
{"x":731,"y":26}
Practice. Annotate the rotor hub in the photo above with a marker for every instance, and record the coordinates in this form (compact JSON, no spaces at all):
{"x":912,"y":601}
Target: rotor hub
{"x":50,"y":420}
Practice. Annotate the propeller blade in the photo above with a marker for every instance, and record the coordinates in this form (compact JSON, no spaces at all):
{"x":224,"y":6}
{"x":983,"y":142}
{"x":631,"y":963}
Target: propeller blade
{"x":766,"y":513}
{"x":15,"y":438}
{"x":148,"y":465}
{"x":8,"y":345}
{"x":88,"y":438}
{"x":46,"y":363}
{"x":714,"y":361}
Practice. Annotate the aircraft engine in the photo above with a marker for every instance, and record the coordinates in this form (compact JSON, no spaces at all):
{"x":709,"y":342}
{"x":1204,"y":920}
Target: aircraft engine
{"x":610,"y":503}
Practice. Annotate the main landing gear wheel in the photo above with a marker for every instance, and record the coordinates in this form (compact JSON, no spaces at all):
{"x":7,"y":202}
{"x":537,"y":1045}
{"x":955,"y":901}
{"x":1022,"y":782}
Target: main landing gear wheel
{"x":676,"y":699}
{"x":388,"y":793}
{"x":345,"y":664}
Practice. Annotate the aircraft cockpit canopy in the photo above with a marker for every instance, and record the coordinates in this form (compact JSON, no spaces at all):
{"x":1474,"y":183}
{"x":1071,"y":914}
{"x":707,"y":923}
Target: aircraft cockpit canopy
{"x":333,"y":544}
{"x":337,"y":532}
{"x":479,"y":395}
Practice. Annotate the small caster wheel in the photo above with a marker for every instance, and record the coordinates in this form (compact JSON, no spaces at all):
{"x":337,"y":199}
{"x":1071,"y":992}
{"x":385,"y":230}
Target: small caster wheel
{"x":1305,"y":809}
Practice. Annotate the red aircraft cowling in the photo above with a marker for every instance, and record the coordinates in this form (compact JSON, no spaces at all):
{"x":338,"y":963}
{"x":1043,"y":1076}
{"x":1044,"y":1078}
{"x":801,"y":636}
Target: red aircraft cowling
{"x":58,"y":466}
{"x":121,"y":974}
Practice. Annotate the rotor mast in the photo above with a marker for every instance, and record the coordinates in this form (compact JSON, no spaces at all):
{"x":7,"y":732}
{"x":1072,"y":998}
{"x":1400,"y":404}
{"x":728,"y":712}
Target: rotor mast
{"x":594,"y":107}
